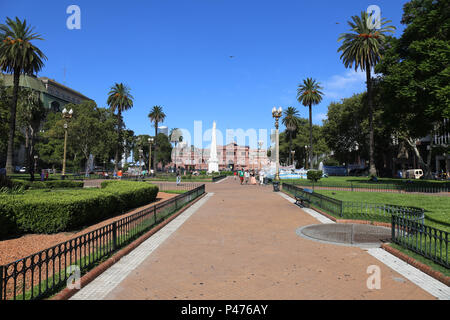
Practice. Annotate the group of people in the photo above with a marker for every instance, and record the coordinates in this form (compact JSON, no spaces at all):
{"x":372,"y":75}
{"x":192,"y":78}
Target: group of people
{"x":249,"y":177}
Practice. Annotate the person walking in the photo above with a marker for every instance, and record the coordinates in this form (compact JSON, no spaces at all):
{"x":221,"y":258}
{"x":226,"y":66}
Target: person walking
{"x":235,"y":175}
{"x":247,"y":176}
{"x":261,"y":178}
{"x":241,"y":176}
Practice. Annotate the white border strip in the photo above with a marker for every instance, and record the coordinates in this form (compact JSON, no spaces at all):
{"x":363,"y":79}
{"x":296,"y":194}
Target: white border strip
{"x":419,"y":278}
{"x":99,"y":288}
{"x":222,"y":179}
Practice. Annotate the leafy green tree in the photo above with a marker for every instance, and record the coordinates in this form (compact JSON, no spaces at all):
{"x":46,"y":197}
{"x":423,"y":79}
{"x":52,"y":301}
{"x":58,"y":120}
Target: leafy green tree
{"x":120,"y":100}
{"x":309,"y":94}
{"x":291,"y":121}
{"x":156,"y":116}
{"x":17,"y":56}
{"x":164,"y":149}
{"x":362,"y":48}
{"x":30,"y":113}
{"x":414,"y":88}
{"x":4,"y":115}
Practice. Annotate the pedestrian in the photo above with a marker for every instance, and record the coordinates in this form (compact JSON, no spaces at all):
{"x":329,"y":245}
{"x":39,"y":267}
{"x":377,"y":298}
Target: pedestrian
{"x":261,"y":178}
{"x":253,"y":179}
{"x":119,"y":174}
{"x":42,"y":175}
{"x":241,"y":176}
{"x":235,"y":175}
{"x":46,"y":175}
{"x":247,"y":176}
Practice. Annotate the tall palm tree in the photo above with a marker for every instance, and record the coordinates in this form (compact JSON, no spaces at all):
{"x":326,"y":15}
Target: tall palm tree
{"x":291,"y":121}
{"x":309,"y":94}
{"x":17,"y":56}
{"x":156,"y":116}
{"x":362,"y":48}
{"x":120,"y":100}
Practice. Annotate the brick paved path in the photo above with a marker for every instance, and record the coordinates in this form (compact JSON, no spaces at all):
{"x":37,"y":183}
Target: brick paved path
{"x":241,"y":244}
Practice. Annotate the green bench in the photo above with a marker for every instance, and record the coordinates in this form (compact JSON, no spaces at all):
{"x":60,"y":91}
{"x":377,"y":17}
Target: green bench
{"x":302,"y":198}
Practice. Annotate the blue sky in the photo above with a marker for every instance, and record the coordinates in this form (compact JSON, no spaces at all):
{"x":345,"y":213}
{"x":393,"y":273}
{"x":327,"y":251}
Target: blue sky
{"x":176,"y":53}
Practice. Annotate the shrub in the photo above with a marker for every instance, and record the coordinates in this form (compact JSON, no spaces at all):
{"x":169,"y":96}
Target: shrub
{"x":314,"y":175}
{"x":47,"y":211}
{"x":50,"y":184}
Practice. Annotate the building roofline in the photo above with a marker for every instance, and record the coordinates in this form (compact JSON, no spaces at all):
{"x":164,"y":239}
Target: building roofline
{"x":54,"y":82}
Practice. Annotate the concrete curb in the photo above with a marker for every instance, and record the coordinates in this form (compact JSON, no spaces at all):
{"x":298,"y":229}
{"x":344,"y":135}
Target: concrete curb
{"x":67,"y":293}
{"x":422,"y":267}
{"x":419,"y":265}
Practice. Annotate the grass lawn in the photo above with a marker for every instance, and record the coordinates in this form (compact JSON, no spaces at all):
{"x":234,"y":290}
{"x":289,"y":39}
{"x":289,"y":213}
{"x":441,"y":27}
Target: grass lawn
{"x":437,"y":209}
{"x":363,"y":182}
{"x":175,"y":191}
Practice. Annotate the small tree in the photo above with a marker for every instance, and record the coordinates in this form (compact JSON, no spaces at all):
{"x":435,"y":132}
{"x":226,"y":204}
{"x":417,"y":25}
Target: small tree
{"x":314,"y":175}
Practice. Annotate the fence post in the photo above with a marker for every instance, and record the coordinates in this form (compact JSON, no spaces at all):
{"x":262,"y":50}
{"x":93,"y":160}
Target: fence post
{"x":114,"y":235}
{"x":342,"y":209}
{"x":1,"y":283}
{"x":393,"y":227}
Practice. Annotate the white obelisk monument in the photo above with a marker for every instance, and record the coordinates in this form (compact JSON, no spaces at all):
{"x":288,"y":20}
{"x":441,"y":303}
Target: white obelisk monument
{"x":213,"y":163}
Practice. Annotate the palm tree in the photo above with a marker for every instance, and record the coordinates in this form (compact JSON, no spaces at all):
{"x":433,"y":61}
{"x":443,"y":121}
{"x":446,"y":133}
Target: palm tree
{"x":362,"y":48}
{"x":309,"y":94}
{"x":291,"y":121}
{"x":120,"y":100}
{"x":156,"y":116}
{"x":17,"y":56}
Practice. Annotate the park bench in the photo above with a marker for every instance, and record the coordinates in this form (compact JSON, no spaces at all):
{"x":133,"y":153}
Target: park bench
{"x":302,"y":198}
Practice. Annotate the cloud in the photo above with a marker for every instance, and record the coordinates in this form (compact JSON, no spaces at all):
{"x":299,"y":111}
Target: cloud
{"x":343,"y":86}
{"x":319,"y":117}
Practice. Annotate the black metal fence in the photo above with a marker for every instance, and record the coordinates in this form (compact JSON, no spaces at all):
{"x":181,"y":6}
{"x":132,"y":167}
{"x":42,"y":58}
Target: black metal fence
{"x":46,"y":272}
{"x":404,"y":187}
{"x":427,"y":241}
{"x":357,"y":210}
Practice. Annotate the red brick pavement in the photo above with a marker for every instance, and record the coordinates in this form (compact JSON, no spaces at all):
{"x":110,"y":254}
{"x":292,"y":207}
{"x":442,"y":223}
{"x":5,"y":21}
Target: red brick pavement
{"x":241,"y":244}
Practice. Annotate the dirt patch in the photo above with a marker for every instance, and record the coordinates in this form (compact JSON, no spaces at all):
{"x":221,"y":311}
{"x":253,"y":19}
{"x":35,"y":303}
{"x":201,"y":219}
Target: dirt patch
{"x":18,"y":248}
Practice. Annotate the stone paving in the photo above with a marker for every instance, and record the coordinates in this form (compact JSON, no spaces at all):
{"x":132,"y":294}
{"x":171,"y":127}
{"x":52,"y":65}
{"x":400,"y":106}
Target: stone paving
{"x":242,"y":244}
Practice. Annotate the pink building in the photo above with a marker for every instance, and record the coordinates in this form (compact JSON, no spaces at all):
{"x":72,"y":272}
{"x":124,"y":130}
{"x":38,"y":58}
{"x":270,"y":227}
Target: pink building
{"x":230,"y":157}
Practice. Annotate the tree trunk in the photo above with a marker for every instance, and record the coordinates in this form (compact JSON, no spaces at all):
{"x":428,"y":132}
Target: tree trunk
{"x":372,"y":168}
{"x":156,"y":148}
{"x":426,"y":166}
{"x":291,"y":161}
{"x":310,"y":138}
{"x":119,"y":140}
{"x":12,"y":124}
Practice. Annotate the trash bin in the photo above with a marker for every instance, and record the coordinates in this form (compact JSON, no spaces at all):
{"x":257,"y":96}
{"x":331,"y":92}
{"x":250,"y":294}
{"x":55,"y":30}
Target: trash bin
{"x":276,"y":186}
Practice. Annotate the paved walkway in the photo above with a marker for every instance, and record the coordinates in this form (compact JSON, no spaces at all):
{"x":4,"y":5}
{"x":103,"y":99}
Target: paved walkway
{"x":241,"y":243}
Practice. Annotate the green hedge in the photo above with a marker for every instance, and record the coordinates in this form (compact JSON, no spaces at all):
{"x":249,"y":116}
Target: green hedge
{"x":50,"y":211}
{"x":50,"y":184}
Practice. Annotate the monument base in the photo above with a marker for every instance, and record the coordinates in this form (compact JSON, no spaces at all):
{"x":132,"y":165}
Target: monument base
{"x":213,"y":167}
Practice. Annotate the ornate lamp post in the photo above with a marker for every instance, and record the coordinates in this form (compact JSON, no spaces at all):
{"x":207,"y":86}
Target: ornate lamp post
{"x":150,"y":142}
{"x":293,"y":155}
{"x":141,"y":155}
{"x":277,"y":115}
{"x":306,"y":157}
{"x":67,"y":115}
{"x":35,"y":163}
{"x":260,"y":143}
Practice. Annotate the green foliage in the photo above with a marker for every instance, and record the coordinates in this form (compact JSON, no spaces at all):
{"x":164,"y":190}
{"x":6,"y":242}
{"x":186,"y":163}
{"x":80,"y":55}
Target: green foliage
{"x":314,"y":175}
{"x":42,"y":211}
{"x":50,"y":184}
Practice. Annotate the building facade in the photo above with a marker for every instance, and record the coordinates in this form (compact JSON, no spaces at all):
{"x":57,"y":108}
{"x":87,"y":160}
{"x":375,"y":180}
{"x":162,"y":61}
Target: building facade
{"x":230,"y":156}
{"x":53,"y":95}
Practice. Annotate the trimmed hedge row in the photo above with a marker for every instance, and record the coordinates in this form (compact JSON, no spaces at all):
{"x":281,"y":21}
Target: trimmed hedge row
{"x":50,"y":184}
{"x":50,"y":211}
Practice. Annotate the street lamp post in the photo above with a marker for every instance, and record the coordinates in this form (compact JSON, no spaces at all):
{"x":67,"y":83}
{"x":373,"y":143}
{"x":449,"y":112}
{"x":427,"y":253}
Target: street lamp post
{"x":260,"y":143}
{"x":67,"y":115}
{"x":150,"y":142}
{"x":306,"y":157}
{"x":293,"y":159}
{"x":141,"y":155}
{"x":277,"y":115}
{"x":35,"y":163}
